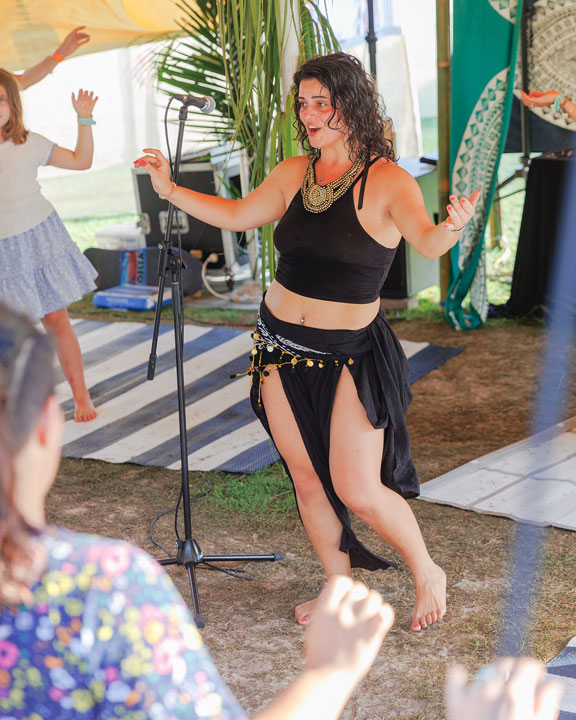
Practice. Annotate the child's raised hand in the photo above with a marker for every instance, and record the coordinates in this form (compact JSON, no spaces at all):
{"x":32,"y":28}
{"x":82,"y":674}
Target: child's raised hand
{"x":84,"y":103}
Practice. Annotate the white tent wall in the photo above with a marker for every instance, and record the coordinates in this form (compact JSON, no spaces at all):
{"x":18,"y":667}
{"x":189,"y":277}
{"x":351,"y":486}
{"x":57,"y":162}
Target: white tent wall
{"x":417,"y":18}
{"x":395,"y":88}
{"x":349,"y":20}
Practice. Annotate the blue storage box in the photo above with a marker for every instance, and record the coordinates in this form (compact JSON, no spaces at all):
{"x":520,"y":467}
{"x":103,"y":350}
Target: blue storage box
{"x":131,"y":297}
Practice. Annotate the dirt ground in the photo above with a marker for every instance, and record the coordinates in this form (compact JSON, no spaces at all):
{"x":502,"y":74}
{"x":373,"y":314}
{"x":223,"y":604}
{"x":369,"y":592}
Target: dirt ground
{"x":478,"y":402}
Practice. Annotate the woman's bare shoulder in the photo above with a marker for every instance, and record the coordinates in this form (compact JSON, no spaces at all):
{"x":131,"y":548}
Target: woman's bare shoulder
{"x":295,"y":164}
{"x":289,"y":171}
{"x":392,"y":172}
{"x":384,"y":164}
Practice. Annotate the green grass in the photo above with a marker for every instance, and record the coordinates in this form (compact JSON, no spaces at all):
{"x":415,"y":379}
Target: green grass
{"x":429,"y":308}
{"x":266,"y":494}
{"x":429,"y":129}
{"x":201,"y":315}
{"x":93,"y":193}
{"x":82,"y":230}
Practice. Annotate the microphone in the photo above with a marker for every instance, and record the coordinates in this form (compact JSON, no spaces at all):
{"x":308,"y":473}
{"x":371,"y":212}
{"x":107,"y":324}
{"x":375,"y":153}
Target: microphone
{"x":204,"y":104}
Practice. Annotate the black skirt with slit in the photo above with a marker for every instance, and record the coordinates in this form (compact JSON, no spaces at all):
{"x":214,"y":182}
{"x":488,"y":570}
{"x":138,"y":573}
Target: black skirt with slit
{"x":309,"y":362}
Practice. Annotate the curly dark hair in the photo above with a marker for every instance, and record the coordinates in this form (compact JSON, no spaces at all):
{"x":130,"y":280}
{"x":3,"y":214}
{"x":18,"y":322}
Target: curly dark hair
{"x":354,"y":97}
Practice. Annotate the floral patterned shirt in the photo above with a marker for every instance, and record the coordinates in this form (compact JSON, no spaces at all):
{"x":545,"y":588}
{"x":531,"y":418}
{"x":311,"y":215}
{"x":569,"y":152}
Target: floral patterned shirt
{"x":107,"y":636}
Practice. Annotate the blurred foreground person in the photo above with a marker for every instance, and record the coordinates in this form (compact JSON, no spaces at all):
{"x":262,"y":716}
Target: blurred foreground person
{"x":94,"y":628}
{"x":508,"y":689}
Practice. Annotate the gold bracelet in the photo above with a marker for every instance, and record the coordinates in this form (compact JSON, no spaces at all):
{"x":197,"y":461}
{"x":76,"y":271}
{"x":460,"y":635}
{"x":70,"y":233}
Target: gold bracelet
{"x":169,"y":193}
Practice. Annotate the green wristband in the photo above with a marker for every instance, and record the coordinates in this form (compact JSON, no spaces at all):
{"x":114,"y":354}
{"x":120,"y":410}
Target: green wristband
{"x":86,"y":121}
{"x":558,"y":100}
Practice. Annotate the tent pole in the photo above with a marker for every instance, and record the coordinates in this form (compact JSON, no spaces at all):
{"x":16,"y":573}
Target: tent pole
{"x":371,"y":38}
{"x":443,"y":64}
{"x":524,"y":110}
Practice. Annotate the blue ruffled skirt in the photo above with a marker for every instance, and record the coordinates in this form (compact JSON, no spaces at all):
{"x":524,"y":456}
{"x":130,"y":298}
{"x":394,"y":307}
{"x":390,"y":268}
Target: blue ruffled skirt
{"x":42,"y":269}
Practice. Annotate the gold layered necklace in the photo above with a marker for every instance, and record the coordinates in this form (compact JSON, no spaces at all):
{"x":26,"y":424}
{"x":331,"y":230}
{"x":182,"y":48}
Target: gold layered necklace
{"x":318,"y":198}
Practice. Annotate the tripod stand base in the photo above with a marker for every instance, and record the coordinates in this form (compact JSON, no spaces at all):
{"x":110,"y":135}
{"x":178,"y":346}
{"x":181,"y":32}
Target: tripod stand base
{"x":272,"y":557}
{"x":189,"y":556}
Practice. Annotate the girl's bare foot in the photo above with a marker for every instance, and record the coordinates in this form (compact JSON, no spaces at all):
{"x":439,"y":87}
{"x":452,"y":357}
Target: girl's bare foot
{"x":305,"y":611}
{"x":430,"y":598}
{"x":85,"y":410}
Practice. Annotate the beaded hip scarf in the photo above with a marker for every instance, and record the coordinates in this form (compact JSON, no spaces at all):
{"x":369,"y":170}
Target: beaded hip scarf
{"x":270,"y":348}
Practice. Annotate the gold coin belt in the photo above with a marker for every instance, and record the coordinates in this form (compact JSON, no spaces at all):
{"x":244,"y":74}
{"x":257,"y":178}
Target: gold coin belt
{"x":258,"y":361}
{"x":318,"y":198}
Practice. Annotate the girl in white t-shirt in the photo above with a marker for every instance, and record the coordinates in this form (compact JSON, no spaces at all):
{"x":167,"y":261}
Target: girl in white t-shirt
{"x":42,"y":271}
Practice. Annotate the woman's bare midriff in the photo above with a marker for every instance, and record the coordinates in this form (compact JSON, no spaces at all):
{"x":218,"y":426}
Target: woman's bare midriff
{"x":323,"y":314}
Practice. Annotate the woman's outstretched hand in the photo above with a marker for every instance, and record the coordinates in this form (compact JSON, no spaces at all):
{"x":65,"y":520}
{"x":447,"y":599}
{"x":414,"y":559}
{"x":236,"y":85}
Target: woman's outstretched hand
{"x":158,"y":167}
{"x":460,"y":211}
{"x":345,"y":634}
{"x":84,"y":103}
{"x":509,"y":689}
{"x":539,"y":99}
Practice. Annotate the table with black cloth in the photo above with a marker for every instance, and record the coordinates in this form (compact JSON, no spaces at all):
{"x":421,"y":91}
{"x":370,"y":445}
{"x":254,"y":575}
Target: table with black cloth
{"x":541,"y":218}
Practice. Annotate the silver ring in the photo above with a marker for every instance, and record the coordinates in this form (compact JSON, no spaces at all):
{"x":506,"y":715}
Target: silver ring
{"x":491,"y":672}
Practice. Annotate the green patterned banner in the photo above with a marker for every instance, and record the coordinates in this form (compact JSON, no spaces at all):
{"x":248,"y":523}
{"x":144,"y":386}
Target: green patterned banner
{"x":486,"y":36}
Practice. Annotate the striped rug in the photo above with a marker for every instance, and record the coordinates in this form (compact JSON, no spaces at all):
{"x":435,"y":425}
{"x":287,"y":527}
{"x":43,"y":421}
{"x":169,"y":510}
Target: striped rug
{"x":138,"y":420}
{"x":563,"y":667}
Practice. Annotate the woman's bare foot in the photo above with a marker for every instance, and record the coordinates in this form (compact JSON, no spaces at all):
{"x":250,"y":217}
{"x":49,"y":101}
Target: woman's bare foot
{"x":430,"y":598}
{"x":304,"y":612}
{"x":85,"y":410}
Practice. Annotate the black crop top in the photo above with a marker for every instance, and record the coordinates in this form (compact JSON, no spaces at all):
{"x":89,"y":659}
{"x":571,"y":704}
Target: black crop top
{"x":329,"y":255}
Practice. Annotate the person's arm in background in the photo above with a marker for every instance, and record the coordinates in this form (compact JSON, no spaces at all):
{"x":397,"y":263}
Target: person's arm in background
{"x":508,"y":689}
{"x":541,"y":99}
{"x":67,"y":47}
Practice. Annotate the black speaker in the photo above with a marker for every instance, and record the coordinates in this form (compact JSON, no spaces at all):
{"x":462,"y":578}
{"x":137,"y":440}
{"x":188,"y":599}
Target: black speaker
{"x":196,"y":235}
{"x":410,"y":272}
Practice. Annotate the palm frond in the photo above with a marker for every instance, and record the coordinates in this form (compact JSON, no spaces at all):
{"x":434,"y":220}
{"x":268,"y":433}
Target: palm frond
{"x":234,"y":50}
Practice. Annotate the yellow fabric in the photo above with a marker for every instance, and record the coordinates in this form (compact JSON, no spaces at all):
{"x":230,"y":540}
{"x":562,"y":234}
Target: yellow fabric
{"x":32,"y":29}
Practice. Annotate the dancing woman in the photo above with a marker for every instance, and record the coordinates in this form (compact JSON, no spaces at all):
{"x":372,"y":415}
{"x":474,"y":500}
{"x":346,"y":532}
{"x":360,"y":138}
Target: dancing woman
{"x":330,"y":379}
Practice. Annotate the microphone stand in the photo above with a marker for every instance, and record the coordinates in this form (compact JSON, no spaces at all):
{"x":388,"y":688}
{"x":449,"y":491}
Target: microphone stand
{"x":189,"y":554}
